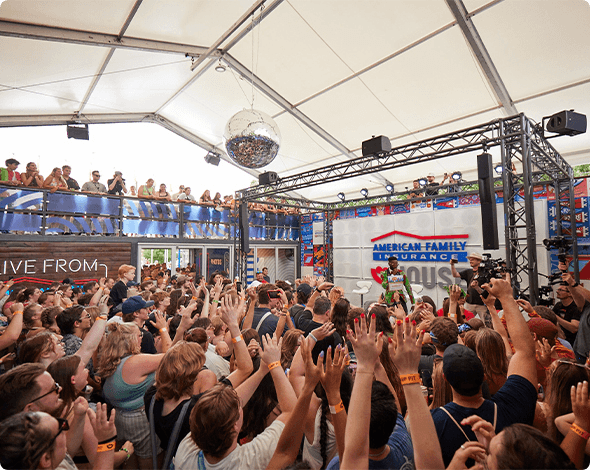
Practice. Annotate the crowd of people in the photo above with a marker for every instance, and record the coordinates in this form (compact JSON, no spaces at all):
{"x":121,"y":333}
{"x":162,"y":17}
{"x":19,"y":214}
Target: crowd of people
{"x":178,"y":371}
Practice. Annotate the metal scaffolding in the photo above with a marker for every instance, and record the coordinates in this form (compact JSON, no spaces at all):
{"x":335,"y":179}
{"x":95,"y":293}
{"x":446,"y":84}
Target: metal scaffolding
{"x":521,"y":143}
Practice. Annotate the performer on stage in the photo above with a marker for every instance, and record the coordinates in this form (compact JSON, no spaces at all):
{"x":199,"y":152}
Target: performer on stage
{"x":394,"y":280}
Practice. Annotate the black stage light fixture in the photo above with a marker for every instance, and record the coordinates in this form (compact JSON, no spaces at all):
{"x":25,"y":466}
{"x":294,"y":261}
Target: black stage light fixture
{"x":499,"y":169}
{"x":457,"y":175}
{"x":78,"y":131}
{"x":268,"y":178}
{"x":566,"y":123}
{"x":341,"y":196}
{"x":389,"y":187}
{"x":375,"y":145}
{"x":364,"y":192}
{"x":212,"y":158}
{"x":423,"y":181}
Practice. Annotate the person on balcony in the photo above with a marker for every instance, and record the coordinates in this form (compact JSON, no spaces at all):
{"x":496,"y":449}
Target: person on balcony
{"x":32,"y":178}
{"x":117,"y":184}
{"x":55,"y":181}
{"x":146,"y":190}
{"x":94,"y":186}
{"x":9,"y":175}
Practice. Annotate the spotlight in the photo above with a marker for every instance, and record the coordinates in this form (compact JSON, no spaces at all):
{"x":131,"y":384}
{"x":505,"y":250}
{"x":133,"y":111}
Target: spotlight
{"x":78,"y":131}
{"x":457,"y":175}
{"x":389,"y":187}
{"x":365,"y":192}
{"x":220,"y":67}
{"x":499,"y":168}
{"x":423,"y":181}
{"x":341,"y":196}
{"x":566,"y":123}
{"x":212,"y":158}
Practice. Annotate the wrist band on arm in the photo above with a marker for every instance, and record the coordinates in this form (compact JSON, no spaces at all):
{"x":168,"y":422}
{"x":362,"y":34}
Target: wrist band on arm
{"x":215,"y":301}
{"x":312,"y":337}
{"x":237,"y":339}
{"x":580,"y":432}
{"x":274,"y":365}
{"x":194,"y":298}
{"x":410,"y":379}
{"x":104,"y":316}
{"x":336,"y":409}
{"x":18,"y":312}
{"x":106,"y":441}
{"x":161,"y":330}
{"x":106,"y":447}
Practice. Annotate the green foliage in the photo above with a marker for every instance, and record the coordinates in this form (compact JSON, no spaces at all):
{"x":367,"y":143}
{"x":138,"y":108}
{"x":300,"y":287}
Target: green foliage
{"x":159,"y":255}
{"x":582,"y":170}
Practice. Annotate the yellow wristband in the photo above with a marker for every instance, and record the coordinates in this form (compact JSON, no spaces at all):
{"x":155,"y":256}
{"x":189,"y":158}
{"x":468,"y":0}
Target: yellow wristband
{"x":106,"y":447}
{"x":580,"y":432}
{"x":274,"y":365}
{"x":337,"y":409}
{"x":410,"y":379}
{"x":237,"y":339}
{"x":18,"y":312}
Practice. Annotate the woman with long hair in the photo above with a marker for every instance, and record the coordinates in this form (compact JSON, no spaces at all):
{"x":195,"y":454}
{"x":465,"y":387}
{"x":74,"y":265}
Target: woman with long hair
{"x":30,"y":295}
{"x":491,"y":351}
{"x":339,"y":315}
{"x":126,"y":375}
{"x":64,"y":293}
{"x":55,"y":181}
{"x":44,"y":348}
{"x":291,"y":341}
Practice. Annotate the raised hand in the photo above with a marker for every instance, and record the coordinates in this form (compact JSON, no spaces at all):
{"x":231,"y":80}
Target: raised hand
{"x":160,"y":321}
{"x":484,"y":430}
{"x":271,"y":349}
{"x":231,"y":309}
{"x":332,"y":374}
{"x":327,"y":329}
{"x":365,"y":345}
{"x":581,"y":405}
{"x":104,"y":429}
{"x":409,"y":348}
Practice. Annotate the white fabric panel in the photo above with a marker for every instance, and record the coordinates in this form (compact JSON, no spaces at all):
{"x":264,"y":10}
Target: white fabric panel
{"x":347,"y":263}
{"x":347,"y":233}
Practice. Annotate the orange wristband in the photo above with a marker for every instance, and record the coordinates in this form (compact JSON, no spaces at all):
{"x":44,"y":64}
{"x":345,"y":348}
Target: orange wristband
{"x":410,"y":379}
{"x":580,"y":432}
{"x":237,"y":339}
{"x":336,"y":409}
{"x":274,"y":365}
{"x":106,"y":447}
{"x":18,"y":312}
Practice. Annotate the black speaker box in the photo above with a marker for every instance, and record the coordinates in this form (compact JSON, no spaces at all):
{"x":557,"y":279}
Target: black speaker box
{"x":268,"y":178}
{"x":244,"y":228}
{"x":567,"y":123}
{"x":375,"y":145}
{"x":78,"y":131}
{"x":487,"y":198}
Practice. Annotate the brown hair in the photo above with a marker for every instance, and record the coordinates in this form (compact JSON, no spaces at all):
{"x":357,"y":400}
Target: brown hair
{"x":18,"y":387}
{"x":289,"y":347}
{"x":490,"y":348}
{"x":158,"y":298}
{"x":197,"y":335}
{"x":33,"y":348}
{"x":213,"y":420}
{"x":178,"y":370}
{"x":62,"y":370}
{"x":446,"y":332}
{"x":28,"y":314}
{"x":217,"y":325}
{"x":442,"y":393}
{"x":121,"y":341}
{"x":263,"y":297}
{"x":48,"y":317}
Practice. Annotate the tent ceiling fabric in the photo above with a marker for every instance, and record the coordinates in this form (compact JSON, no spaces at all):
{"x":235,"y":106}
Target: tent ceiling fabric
{"x":331,"y":72}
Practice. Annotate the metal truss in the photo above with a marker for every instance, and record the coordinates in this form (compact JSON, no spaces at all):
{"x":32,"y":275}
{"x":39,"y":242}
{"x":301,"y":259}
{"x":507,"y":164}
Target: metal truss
{"x":522,"y":144}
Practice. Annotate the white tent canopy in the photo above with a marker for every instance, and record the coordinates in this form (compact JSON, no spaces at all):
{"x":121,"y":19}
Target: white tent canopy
{"x":332,"y":73}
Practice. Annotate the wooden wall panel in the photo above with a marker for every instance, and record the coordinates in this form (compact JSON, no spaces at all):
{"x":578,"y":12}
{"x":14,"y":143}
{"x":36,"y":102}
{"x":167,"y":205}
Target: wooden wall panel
{"x":58,"y":260}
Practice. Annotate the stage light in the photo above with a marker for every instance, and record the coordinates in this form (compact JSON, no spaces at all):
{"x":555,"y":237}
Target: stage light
{"x":212,"y":158}
{"x":220,"y":67}
{"x":566,"y":123}
{"x":457,"y":175}
{"x":341,"y":196}
{"x":499,"y":168}
{"x":389,"y":187}
{"x":365,"y":192}
{"x":423,"y":181}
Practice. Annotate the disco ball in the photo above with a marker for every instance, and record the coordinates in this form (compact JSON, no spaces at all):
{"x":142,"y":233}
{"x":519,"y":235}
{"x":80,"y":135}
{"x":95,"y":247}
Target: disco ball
{"x":252,"y":138}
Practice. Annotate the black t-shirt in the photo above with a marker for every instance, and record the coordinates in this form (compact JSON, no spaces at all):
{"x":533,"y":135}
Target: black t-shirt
{"x":307,"y":325}
{"x":148,"y":346}
{"x":469,"y":275}
{"x":117,"y":189}
{"x":569,"y":313}
{"x":296,"y":311}
{"x":431,"y":192}
{"x":72,"y":184}
{"x":118,"y":293}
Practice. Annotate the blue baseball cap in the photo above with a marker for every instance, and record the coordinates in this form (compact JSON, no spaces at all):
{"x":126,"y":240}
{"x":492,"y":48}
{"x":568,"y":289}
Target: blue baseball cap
{"x":135,"y":303}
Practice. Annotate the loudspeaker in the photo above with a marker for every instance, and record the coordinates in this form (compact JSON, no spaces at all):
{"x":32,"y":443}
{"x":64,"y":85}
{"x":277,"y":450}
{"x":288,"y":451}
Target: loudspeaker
{"x":567,"y":123}
{"x":376,"y":145}
{"x":268,"y":178}
{"x":487,"y":198}
{"x":78,"y":131}
{"x":212,"y":159}
{"x":244,"y":228}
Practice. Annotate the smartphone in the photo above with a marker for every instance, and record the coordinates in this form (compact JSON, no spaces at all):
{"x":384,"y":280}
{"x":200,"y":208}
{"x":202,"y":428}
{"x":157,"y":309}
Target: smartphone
{"x":274,"y":294}
{"x":239,"y":286}
{"x":454,"y":258}
{"x":11,"y":278}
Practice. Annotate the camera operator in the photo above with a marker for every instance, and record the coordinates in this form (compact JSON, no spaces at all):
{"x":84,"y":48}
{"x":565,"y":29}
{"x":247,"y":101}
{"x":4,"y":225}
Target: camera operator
{"x":473,"y":302}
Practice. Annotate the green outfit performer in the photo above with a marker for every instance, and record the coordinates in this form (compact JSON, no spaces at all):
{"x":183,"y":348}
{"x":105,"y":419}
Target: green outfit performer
{"x":394,"y":280}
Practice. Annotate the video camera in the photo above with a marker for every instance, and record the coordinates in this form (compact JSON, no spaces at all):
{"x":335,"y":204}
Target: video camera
{"x":561,"y":244}
{"x":493,"y":268}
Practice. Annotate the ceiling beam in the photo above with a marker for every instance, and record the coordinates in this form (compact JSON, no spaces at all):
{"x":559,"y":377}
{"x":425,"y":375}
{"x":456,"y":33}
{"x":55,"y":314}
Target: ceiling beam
{"x":478,"y":48}
{"x":90,"y":38}
{"x":30,"y":120}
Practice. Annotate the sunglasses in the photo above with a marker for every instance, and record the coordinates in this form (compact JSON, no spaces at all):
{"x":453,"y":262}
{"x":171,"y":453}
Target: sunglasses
{"x":62,"y":425}
{"x":55,"y":389}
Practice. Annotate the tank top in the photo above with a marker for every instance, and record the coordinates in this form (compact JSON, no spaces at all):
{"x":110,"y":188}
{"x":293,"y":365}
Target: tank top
{"x":123,"y":395}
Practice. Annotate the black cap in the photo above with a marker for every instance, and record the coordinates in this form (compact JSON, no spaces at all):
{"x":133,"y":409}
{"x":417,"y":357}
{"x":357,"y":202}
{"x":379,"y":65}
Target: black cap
{"x":463,"y":370}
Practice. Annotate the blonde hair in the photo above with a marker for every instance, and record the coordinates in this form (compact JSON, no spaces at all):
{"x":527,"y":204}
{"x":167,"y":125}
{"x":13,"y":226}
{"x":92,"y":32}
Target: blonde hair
{"x":121,"y":341}
{"x":178,"y":370}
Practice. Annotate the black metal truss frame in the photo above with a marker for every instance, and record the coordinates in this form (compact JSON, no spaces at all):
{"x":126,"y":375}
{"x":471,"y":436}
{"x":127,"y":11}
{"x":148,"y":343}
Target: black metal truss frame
{"x":520,"y":140}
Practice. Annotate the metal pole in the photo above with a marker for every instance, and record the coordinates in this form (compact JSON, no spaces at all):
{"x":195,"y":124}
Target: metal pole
{"x":573,"y":226}
{"x":510,"y":233}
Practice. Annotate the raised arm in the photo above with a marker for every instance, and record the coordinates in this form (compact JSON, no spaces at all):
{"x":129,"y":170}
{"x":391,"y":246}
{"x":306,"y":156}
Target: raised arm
{"x":356,"y":448}
{"x":230,"y":312}
{"x":575,"y":443}
{"x":162,"y":326}
{"x":95,"y":334}
{"x":247,"y":323}
{"x":271,"y":357}
{"x":524,"y":361}
{"x":427,"y":453}
{"x":13,"y":330}
{"x":454,"y":271}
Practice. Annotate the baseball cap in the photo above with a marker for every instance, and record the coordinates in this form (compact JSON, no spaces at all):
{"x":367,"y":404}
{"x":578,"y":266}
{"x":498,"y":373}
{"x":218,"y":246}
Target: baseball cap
{"x":135,"y":303}
{"x":463,"y":369}
{"x":305,"y":289}
{"x":430,"y":174}
{"x":475,"y":255}
{"x":12,"y":161}
{"x":255,"y":284}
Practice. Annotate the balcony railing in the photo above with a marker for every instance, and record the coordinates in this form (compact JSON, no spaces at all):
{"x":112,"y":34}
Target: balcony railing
{"x":39,"y":211}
